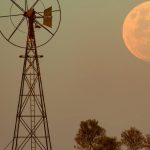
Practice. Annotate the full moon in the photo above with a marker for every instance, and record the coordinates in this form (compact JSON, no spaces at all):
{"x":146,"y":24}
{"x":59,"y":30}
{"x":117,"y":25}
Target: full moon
{"x":136,"y":31}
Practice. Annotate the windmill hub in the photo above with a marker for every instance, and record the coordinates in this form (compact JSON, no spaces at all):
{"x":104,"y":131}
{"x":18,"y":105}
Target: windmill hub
{"x":30,"y":13}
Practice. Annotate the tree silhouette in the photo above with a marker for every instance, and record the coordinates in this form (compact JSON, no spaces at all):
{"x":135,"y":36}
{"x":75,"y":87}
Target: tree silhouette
{"x":106,"y":143}
{"x":88,"y":131}
{"x":133,"y":139}
{"x":147,"y":142}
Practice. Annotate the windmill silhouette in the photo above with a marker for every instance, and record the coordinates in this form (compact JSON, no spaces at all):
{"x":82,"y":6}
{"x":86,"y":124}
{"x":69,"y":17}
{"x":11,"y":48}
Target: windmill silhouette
{"x":31,"y":127}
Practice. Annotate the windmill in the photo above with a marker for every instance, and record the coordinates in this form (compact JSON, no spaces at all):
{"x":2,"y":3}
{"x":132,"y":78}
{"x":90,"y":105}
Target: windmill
{"x":33,"y":22}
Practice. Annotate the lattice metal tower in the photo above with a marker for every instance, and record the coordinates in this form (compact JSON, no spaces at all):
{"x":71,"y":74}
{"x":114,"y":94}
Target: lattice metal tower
{"x":31,"y":127}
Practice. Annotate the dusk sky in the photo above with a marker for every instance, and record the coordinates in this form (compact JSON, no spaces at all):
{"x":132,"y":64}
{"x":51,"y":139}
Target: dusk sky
{"x":87,"y":73}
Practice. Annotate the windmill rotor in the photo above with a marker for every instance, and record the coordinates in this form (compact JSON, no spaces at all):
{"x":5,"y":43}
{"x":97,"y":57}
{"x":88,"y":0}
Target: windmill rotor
{"x":13,"y":21}
{"x":46,"y":21}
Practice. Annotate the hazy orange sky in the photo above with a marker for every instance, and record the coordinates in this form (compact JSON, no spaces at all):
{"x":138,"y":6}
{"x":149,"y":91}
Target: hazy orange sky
{"x":87,"y":73}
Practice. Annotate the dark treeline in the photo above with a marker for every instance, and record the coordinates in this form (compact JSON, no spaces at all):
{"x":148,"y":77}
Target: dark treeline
{"x":91,"y":136}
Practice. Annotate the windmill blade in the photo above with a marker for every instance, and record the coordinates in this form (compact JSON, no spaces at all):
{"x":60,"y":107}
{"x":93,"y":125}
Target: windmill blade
{"x":18,"y":6}
{"x":16,"y":28}
{"x":44,"y":27}
{"x":26,"y":5}
{"x":47,"y":20}
{"x":11,"y":16}
{"x":32,"y":7}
